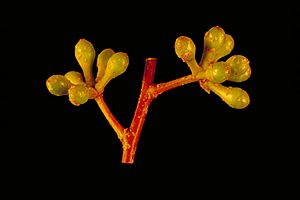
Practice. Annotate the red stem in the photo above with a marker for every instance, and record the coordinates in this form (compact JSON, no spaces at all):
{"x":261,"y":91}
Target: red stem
{"x":133,"y":134}
{"x":130,"y":136}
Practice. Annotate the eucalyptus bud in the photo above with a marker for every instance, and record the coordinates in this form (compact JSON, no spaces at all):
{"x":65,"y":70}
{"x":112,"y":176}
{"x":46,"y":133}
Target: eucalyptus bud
{"x":85,"y":55}
{"x":239,"y":67}
{"x":102,"y":60}
{"x":233,"y":96}
{"x":74,"y":77}
{"x":218,"y":72}
{"x":58,"y":85}
{"x":116,"y":65}
{"x":225,"y":48}
{"x":79,"y":94}
{"x":185,"y":48}
{"x":214,"y":37}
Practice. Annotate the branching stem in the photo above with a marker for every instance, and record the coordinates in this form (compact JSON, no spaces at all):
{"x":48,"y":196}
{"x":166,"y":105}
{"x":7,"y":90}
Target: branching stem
{"x":129,"y":137}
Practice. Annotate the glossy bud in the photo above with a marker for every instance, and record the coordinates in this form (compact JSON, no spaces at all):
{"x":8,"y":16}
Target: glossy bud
{"x":225,"y":48}
{"x":85,"y":55}
{"x":240,"y":68}
{"x":74,"y":77}
{"x":58,"y":85}
{"x":116,"y":65}
{"x":218,"y":72}
{"x":214,"y":37}
{"x":185,"y":48}
{"x":235,"y":97}
{"x":217,"y":44}
{"x":102,"y":60}
{"x":79,"y":94}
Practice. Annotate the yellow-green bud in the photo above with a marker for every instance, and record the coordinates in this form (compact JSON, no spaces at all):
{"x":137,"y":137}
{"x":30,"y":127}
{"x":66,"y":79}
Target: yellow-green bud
{"x":79,"y":94}
{"x":74,"y":77}
{"x":235,"y":97}
{"x":185,"y":48}
{"x":217,"y":44}
{"x":226,"y":47}
{"x":218,"y":72}
{"x":240,"y":68}
{"x":102,"y":60}
{"x":214,"y":37}
{"x":85,"y":55}
{"x":58,"y":85}
{"x":116,"y":65}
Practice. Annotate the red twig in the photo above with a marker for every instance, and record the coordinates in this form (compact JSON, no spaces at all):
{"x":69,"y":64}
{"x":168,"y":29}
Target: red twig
{"x":133,"y":134}
{"x":149,"y":91}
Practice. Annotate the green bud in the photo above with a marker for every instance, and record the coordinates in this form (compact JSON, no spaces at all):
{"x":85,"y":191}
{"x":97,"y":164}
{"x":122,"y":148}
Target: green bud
{"x":58,"y":85}
{"x":218,"y":72}
{"x":240,"y":68}
{"x":237,"y":98}
{"x":79,"y":94}
{"x":85,"y":55}
{"x":233,"y":96}
{"x":116,"y":65}
{"x":214,"y":37}
{"x":74,"y":77}
{"x":185,"y":48}
{"x":217,"y":44}
{"x":102,"y":60}
{"x":226,"y":48}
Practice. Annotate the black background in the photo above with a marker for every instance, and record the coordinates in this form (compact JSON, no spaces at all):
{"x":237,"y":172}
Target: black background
{"x":188,"y":136}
